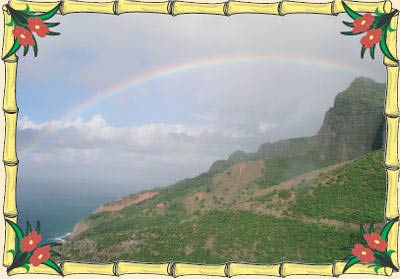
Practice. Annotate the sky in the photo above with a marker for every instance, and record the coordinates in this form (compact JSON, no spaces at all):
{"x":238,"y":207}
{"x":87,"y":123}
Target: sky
{"x":138,"y":101}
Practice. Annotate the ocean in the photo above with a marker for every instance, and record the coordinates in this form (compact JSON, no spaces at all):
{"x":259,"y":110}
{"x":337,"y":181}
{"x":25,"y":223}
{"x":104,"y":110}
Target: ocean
{"x":57,"y":210}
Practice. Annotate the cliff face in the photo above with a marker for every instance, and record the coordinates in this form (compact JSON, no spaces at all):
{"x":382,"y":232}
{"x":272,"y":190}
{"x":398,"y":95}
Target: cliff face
{"x":289,"y":147}
{"x":355,"y":124}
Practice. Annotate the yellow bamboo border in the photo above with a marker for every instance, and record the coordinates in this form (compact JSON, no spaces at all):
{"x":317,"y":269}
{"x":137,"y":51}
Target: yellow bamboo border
{"x":174,"y":8}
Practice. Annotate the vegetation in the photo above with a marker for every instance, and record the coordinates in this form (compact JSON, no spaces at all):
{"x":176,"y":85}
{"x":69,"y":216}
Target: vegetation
{"x":280,"y":169}
{"x":356,"y":192}
{"x":213,"y":218}
{"x":222,"y":236}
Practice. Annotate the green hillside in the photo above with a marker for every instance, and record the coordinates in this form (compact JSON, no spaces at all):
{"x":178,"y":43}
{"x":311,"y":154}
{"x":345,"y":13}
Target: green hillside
{"x":352,"y":192}
{"x":220,"y":236}
{"x":356,"y":192}
{"x":279,"y":169}
{"x":238,"y":233}
{"x":297,"y":199}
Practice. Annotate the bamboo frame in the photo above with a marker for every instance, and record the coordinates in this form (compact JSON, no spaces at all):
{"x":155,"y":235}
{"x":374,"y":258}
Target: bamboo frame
{"x":228,"y":8}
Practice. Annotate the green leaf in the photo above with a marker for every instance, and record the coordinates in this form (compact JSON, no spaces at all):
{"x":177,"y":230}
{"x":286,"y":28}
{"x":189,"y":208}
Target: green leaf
{"x":350,"y":12}
{"x":35,"y":51}
{"x":50,"y":13}
{"x":53,"y":265}
{"x":379,"y":261}
{"x":362,"y":231}
{"x":51,"y":33}
{"x":390,"y":252}
{"x":28,"y":227}
{"x":382,"y":258}
{"x":381,"y":254}
{"x":349,"y":24}
{"x":376,"y":269}
{"x":11,"y":23}
{"x":372,"y":53}
{"x":371,"y":227}
{"x":380,"y":22}
{"x":20,"y":19}
{"x":22,"y":258}
{"x":377,"y":12}
{"x":12,"y":251}
{"x":37,"y":229}
{"x":18,"y":232}
{"x":372,"y":265}
{"x":390,"y":28}
{"x":349,"y":33}
{"x":51,"y":24}
{"x":362,"y":56}
{"x":13,"y":50}
{"x":27,"y":12}
{"x":385,"y":50}
{"x":350,"y":263}
{"x":26,"y":267}
{"x":26,"y":9}
{"x":347,"y":257}
{"x":389,"y":225}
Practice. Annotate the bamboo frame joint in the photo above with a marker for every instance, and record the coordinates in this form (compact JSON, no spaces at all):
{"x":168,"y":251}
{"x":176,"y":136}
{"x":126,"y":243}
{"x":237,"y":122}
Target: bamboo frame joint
{"x":226,"y":270}
{"x":115,"y":8}
{"x":391,"y":63}
{"x":387,"y":6}
{"x":392,"y":167}
{"x":171,"y":269}
{"x":10,"y":60}
{"x":281,"y":269}
{"x":115,"y":268}
{"x":390,"y":219}
{"x":9,"y":215}
{"x":170,"y":7}
{"x":333,"y":9}
{"x":226,"y":8}
{"x":61,"y":8}
{"x":11,"y":163}
{"x":280,"y":8}
{"x":9,"y":111}
{"x":334,"y":274}
{"x":391,"y":115}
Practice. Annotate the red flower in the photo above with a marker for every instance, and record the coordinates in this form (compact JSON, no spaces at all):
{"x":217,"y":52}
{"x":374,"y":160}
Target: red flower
{"x":30,"y":241}
{"x":375,"y":241}
{"x":40,"y":255}
{"x":364,"y":254}
{"x":24,"y":36}
{"x":363,"y":23}
{"x":373,"y":36}
{"x":37,"y":25}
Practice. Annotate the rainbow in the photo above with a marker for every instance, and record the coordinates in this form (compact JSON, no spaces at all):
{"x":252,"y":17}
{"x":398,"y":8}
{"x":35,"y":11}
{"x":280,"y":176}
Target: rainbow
{"x":196,"y":65}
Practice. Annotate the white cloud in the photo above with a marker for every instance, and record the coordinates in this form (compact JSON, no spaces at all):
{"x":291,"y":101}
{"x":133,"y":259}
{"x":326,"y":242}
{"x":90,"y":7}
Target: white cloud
{"x":265,"y":126}
{"x":94,"y":150}
{"x":24,"y":123}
